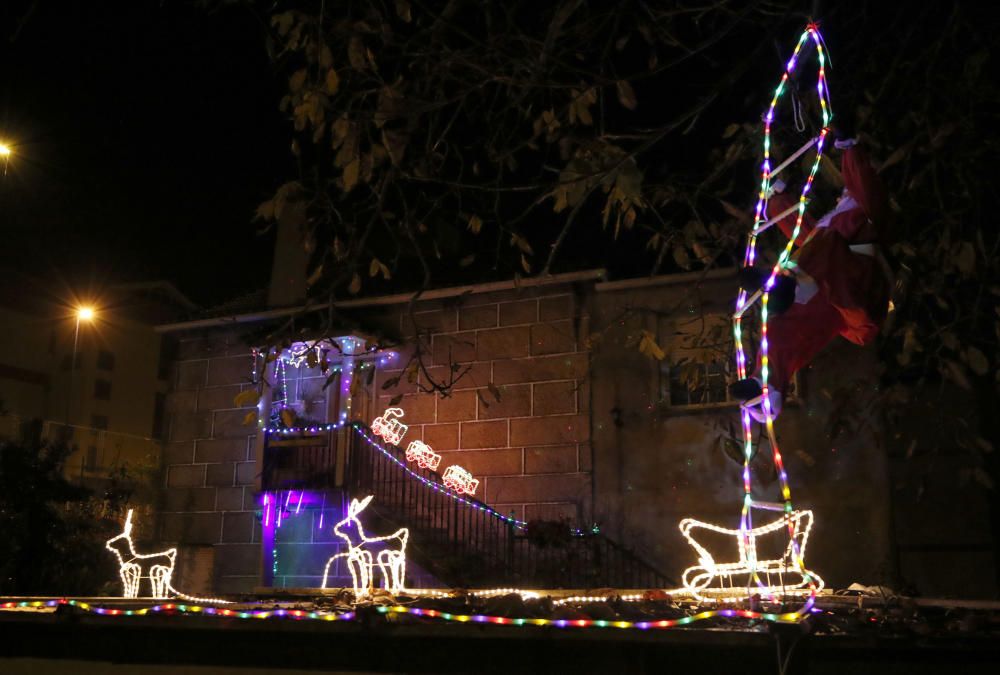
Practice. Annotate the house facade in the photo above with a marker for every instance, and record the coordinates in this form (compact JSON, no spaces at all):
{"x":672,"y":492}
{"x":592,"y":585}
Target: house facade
{"x":548,"y":393}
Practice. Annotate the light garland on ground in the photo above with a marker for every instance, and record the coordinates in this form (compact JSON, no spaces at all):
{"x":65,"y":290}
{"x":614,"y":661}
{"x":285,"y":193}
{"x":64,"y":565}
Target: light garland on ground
{"x":160,"y":565}
{"x":361,"y":430}
{"x":170,"y":608}
{"x":303,"y":615}
{"x":360,"y":562}
{"x":423,"y":455}
{"x":459,"y":480}
{"x":788,"y":617}
{"x":700,"y":578}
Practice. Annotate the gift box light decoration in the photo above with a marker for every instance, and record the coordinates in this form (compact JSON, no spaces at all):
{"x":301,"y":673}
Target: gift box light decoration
{"x":757,"y":575}
{"x":134,"y":567}
{"x":423,"y":455}
{"x":459,"y":480}
{"x":364,"y":552}
{"x":388,"y":427}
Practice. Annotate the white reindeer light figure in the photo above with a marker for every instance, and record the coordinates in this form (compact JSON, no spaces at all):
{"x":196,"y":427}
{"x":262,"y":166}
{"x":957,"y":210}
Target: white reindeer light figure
{"x":391,"y":559}
{"x":160,"y":565}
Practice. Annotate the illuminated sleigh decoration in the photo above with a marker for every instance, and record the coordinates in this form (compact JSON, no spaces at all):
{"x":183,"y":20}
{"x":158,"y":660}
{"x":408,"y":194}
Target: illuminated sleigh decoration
{"x":779,"y":576}
{"x":388,"y":427}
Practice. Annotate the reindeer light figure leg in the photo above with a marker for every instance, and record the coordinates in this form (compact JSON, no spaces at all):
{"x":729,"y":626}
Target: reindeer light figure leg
{"x":130,"y":574}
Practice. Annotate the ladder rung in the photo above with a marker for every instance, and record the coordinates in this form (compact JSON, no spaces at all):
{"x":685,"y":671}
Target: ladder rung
{"x":795,"y":155}
{"x":749,"y":303}
{"x":771,"y":221}
{"x":768,"y":506}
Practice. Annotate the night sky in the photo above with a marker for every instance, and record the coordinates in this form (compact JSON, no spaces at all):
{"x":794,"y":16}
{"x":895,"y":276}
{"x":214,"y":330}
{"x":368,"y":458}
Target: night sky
{"x":146,"y":133}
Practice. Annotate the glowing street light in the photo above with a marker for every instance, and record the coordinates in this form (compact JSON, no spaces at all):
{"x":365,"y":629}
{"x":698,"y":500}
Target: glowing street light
{"x":82,"y":314}
{"x":5,"y":153}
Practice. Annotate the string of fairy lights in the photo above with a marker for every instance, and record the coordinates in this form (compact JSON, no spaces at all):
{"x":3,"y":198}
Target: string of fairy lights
{"x":167,"y":609}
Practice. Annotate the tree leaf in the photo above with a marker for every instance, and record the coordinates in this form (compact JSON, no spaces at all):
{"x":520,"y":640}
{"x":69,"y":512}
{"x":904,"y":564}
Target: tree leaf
{"x":965,"y":258}
{"x":288,"y":417}
{"x":378,"y":267}
{"x":626,"y":95}
{"x":954,"y":371}
{"x":730,"y":130}
{"x":265,"y":211}
{"x":403,"y":10}
{"x":332,"y":82}
{"x":297,"y":81}
{"x":351,"y":174}
{"x":246,"y":397}
{"x":525,"y":265}
{"x":325,"y":57}
{"x":250,"y":418}
{"x":356,"y":53}
{"x":482,"y":399}
{"x":493,"y":390}
{"x":395,"y":400}
{"x":521,"y":243}
{"x":467,"y":260}
{"x":315,"y":276}
{"x":475,"y":224}
{"x":649,"y":346}
{"x":976,"y":361}
{"x":391,"y":382}
{"x":355,"y":287}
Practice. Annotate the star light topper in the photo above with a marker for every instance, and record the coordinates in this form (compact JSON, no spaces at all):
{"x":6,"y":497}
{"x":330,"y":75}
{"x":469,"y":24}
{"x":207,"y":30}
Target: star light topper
{"x":388,"y":426}
{"x":158,"y":567}
{"x":390,"y":558}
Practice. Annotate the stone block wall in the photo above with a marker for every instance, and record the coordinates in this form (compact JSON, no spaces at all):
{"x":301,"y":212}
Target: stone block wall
{"x":208,"y":463}
{"x":531,"y":448}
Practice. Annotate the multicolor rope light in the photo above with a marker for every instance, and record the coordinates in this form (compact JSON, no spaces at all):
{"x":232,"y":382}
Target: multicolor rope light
{"x":169,"y":608}
{"x":822,"y":92}
{"x":790,"y":518}
{"x":788,"y":617}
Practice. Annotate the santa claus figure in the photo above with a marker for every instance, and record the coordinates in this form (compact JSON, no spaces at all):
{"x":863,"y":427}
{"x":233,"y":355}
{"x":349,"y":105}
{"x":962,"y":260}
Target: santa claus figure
{"x":837,"y":283}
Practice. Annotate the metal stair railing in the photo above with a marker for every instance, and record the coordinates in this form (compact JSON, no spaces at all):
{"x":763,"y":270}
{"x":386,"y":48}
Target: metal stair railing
{"x":465,"y":542}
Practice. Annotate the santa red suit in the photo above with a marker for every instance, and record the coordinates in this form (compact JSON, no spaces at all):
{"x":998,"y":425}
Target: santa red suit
{"x":843,"y":283}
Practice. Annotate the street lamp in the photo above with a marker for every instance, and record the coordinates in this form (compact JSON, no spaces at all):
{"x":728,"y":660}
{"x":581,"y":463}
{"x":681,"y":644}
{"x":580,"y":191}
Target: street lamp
{"x":82,"y":314}
{"x":5,"y":153}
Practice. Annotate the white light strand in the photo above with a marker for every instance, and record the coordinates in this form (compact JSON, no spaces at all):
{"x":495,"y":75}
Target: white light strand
{"x":360,"y":561}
